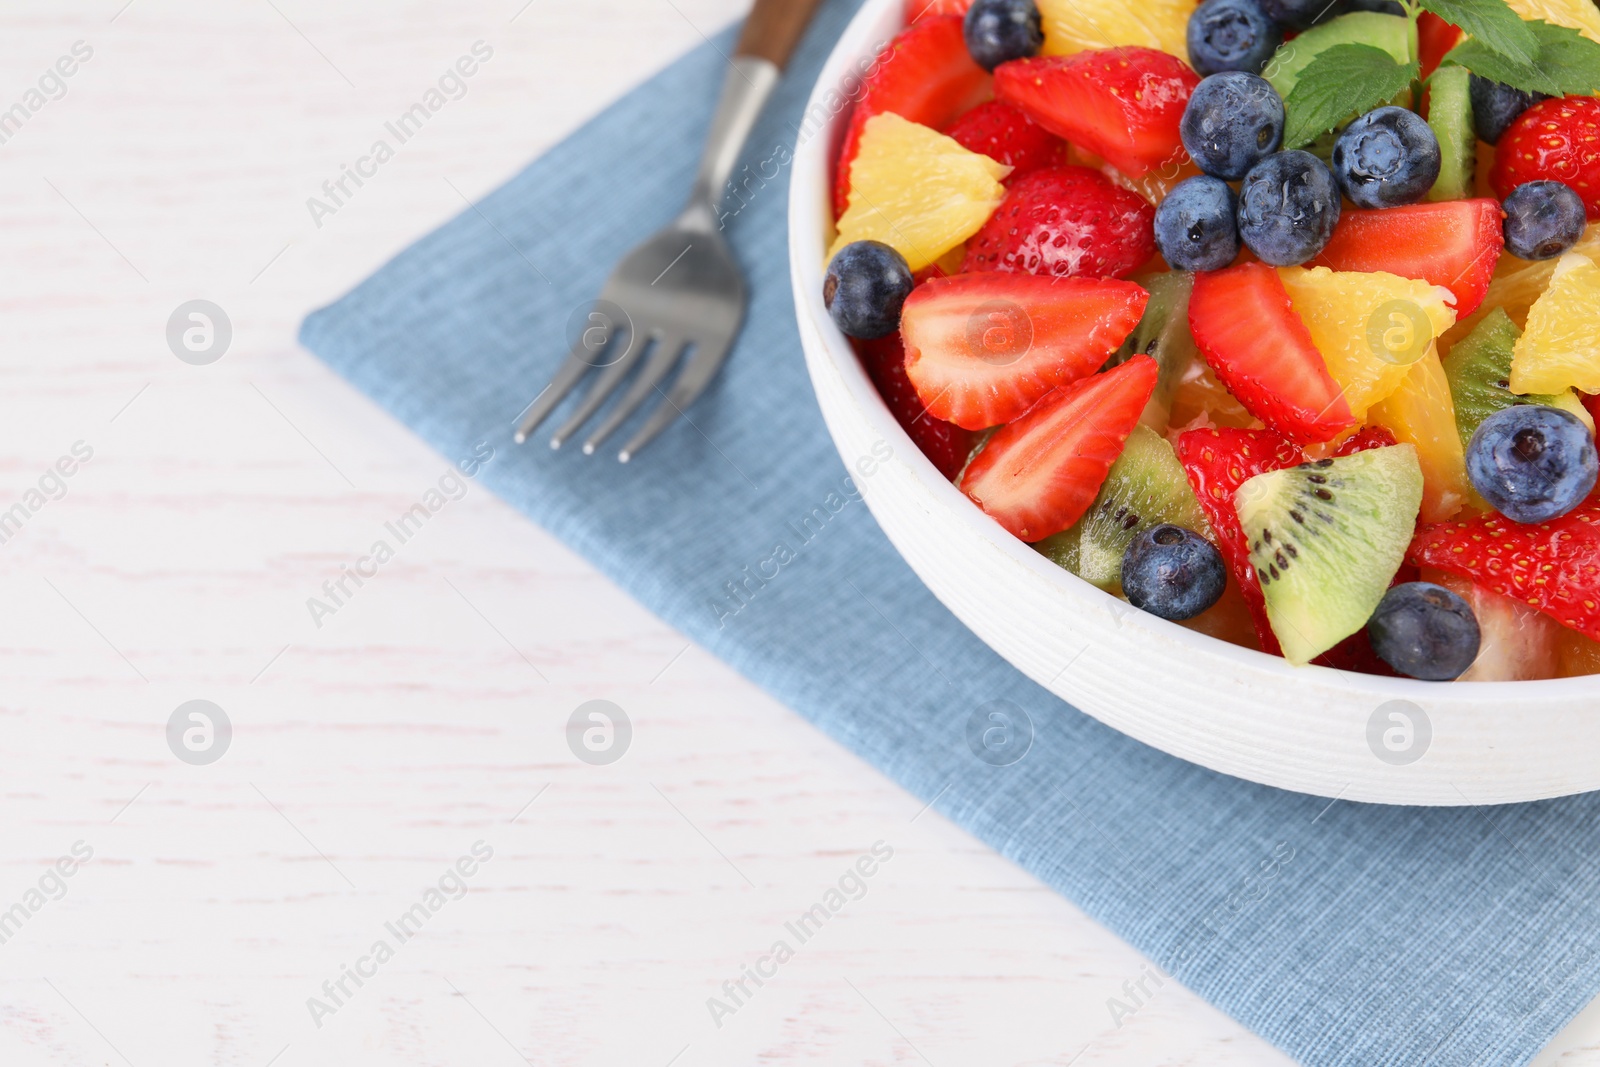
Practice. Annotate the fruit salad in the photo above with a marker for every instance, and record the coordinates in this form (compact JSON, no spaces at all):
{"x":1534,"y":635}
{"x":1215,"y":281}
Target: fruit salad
{"x":1278,"y":319}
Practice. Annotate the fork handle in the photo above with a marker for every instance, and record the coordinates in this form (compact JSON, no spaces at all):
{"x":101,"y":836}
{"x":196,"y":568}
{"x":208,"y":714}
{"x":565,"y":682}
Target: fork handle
{"x":774,"y":27}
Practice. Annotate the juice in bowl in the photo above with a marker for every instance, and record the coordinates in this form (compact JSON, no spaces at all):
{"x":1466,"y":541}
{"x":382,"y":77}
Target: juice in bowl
{"x":1234,"y":367}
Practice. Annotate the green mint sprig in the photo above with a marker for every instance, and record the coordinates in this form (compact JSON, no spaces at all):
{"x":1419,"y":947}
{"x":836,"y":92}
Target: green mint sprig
{"x":1527,"y":54}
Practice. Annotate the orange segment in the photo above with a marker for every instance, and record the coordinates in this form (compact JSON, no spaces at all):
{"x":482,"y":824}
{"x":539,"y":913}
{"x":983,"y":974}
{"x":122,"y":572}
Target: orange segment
{"x":1421,"y":412}
{"x":1557,"y":349}
{"x":1083,"y":25}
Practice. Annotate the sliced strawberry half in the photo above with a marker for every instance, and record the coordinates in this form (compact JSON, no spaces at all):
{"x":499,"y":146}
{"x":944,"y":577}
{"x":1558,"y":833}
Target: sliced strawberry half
{"x":926,"y":75}
{"x":1123,"y":104}
{"x":1244,"y":325}
{"x":1007,"y":136}
{"x":1455,"y":244}
{"x":1066,"y":221}
{"x":1218,"y":462}
{"x":1552,"y":566}
{"x":946,"y":445}
{"x":1038,"y":475}
{"x":981,"y":349}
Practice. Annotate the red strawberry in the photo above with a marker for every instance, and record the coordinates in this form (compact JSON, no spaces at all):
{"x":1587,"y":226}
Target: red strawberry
{"x":1038,"y":475}
{"x":1552,"y":566}
{"x":1435,"y":37}
{"x":1007,"y":136}
{"x":916,"y":9}
{"x":1592,"y":402}
{"x":1218,"y":462}
{"x":1455,"y":243}
{"x":1244,"y":325}
{"x":1368,"y":437}
{"x":926,"y":76}
{"x":946,"y":445}
{"x":1066,"y":221}
{"x":1123,"y":104}
{"x":981,"y":349}
{"x":1554,"y":140}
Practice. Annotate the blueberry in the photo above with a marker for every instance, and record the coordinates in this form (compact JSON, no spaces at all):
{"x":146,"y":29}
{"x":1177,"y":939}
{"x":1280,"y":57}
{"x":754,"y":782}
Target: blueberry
{"x":1002,"y":30}
{"x":865,"y":288}
{"x":1197,"y":226}
{"x":1386,"y":158}
{"x":1234,"y":120}
{"x":1532,"y":463}
{"x":1543,"y":220}
{"x":1425,"y":631}
{"x":1231,"y":35}
{"x":1288,"y":207}
{"x":1172,"y":573}
{"x":1300,"y":14}
{"x":1496,"y":106}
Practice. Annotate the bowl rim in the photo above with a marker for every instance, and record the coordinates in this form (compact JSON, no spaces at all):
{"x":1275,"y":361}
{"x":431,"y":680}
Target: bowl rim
{"x":809,"y":214}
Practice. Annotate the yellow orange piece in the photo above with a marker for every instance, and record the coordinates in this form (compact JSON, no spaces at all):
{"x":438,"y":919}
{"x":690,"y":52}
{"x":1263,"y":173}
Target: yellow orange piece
{"x":1580,"y":15}
{"x":1557,"y":349}
{"x":1518,"y":283}
{"x":1370,"y":328}
{"x":1579,"y":655}
{"x":1421,"y":412}
{"x":917,"y":191}
{"x":1083,"y":25}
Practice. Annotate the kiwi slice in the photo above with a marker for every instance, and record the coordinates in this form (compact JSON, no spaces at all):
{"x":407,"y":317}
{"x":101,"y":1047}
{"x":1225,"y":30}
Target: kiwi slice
{"x":1450,"y":117}
{"x":1398,"y":37}
{"x":1163,"y":334}
{"x":1326,"y":539}
{"x":1145,"y":487}
{"x":1479,"y":371}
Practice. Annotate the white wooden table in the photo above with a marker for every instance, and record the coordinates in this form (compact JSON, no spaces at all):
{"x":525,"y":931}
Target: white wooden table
{"x":370,"y":754}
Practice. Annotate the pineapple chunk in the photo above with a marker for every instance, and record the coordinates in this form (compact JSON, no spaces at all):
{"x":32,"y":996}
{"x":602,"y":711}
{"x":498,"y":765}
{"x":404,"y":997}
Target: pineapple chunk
{"x":1084,"y":25}
{"x":917,"y":191}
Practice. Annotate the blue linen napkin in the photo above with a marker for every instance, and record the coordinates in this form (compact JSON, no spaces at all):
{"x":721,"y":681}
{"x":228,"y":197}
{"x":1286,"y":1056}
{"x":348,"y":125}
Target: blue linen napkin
{"x":1344,"y":934}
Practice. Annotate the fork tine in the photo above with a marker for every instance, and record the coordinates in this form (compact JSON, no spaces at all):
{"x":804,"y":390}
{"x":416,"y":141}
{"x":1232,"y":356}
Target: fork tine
{"x":579,"y":361}
{"x":662,"y":359}
{"x":604,"y":385}
{"x":696,"y":375}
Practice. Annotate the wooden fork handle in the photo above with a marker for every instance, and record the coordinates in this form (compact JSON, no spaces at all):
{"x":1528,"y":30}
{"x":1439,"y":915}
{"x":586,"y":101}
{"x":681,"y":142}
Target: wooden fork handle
{"x":774,"y":27}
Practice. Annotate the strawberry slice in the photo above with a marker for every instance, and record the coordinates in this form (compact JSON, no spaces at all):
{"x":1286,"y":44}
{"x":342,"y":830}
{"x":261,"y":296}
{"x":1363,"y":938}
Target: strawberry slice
{"x":1592,"y":402}
{"x":946,"y":445}
{"x":1244,"y":325}
{"x":1435,"y":37}
{"x":981,"y":349}
{"x":1038,"y":475}
{"x":1066,"y":221}
{"x":1555,"y":140}
{"x":1368,"y":437}
{"x":1553,"y":566}
{"x":1218,"y":462}
{"x":1455,"y":243}
{"x":1123,"y":104}
{"x":1007,"y":136}
{"x":926,"y":75}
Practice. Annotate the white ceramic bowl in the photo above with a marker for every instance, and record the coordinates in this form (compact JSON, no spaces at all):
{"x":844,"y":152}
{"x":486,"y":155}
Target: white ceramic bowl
{"x":1310,"y":729}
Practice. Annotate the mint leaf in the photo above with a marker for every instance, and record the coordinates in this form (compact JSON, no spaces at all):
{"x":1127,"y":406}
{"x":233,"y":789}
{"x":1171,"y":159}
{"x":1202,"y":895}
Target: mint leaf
{"x":1568,"y":63}
{"x":1342,"y":81}
{"x":1492,"y":23}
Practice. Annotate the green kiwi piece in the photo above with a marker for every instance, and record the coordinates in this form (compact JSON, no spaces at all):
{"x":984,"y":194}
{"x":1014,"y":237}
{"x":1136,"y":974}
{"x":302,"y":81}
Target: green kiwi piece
{"x":1479,"y":371}
{"x":1326,"y":539}
{"x":1145,"y":487}
{"x":1163,"y":334}
{"x":1450,"y":116}
{"x":1397,"y":36}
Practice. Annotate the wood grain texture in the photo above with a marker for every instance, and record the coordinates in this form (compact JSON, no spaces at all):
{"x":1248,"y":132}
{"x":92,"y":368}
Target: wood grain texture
{"x":774,"y":27}
{"x":372,"y":752}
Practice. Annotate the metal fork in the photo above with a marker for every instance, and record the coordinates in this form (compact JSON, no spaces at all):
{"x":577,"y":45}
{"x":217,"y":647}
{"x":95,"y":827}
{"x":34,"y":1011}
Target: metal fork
{"x":682,"y":288}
